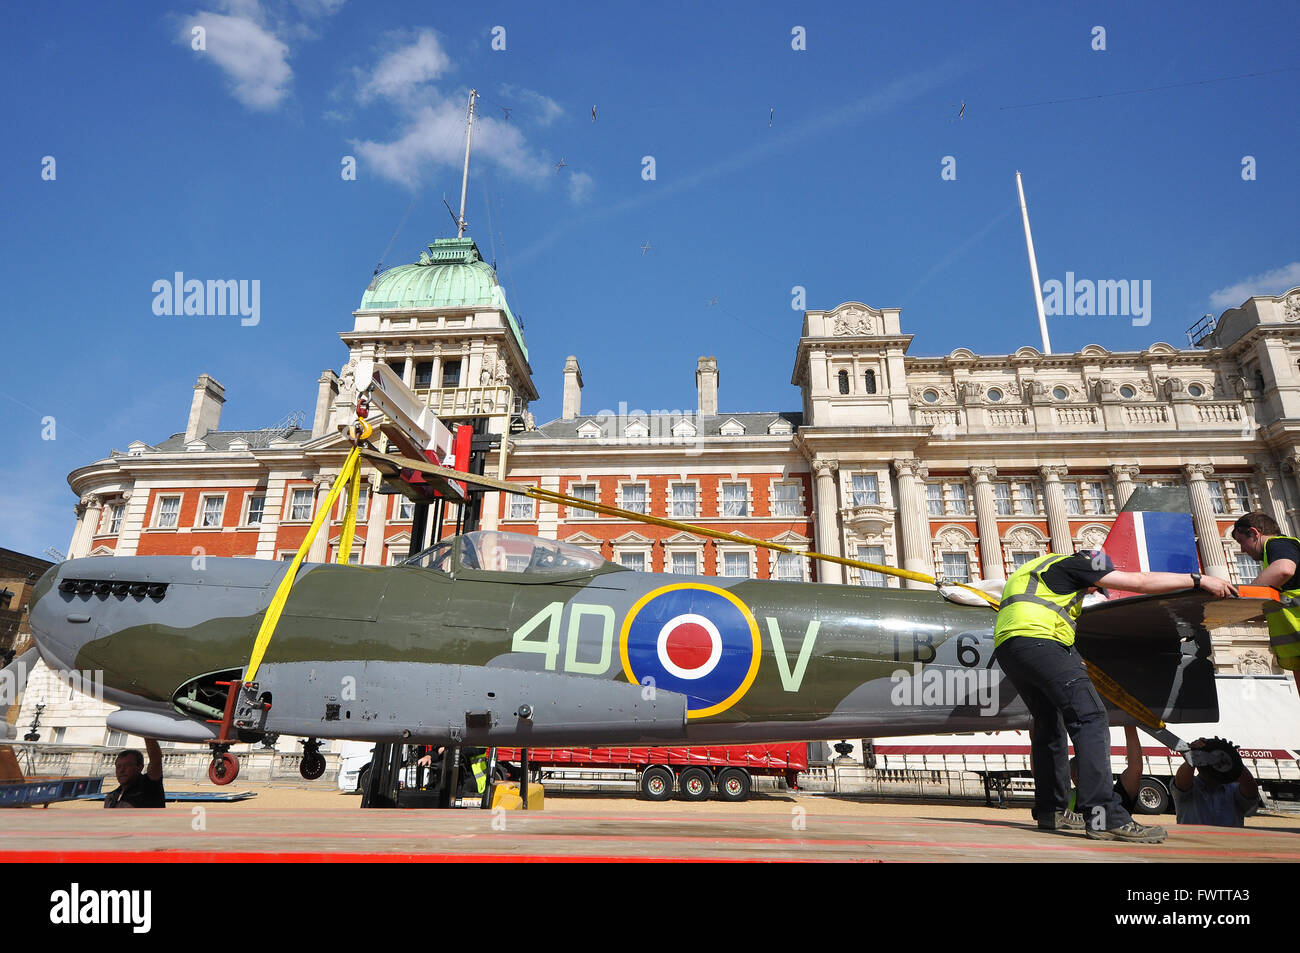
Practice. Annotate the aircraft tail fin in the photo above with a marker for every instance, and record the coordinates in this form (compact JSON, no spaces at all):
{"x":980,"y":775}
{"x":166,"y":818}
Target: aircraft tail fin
{"x":1153,"y":533}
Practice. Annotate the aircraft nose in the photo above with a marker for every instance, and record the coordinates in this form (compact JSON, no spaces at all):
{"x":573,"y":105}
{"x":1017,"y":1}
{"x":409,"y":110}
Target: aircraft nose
{"x":57,"y":637}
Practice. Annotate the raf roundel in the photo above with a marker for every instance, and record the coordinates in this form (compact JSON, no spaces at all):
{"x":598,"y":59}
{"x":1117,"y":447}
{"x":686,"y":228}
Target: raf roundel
{"x":694,"y":639}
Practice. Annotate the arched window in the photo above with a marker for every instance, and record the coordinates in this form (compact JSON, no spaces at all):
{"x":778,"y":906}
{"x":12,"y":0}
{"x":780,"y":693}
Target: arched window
{"x":871,"y":382}
{"x":844,"y":382}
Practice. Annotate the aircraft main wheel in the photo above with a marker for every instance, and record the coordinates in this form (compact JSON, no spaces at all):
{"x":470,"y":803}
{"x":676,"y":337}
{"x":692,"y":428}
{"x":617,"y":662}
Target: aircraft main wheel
{"x":656,"y":783}
{"x":733,"y":785}
{"x":223,"y":769}
{"x":1231,"y":761}
{"x":695,"y":784}
{"x":312,"y":766}
{"x":1152,"y":797}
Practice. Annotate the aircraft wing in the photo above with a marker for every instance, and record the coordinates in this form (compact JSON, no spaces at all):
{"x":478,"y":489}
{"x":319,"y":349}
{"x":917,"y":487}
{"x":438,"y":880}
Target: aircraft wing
{"x":1158,"y":647}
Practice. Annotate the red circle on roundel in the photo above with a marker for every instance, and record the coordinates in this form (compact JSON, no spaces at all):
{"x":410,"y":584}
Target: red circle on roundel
{"x":689,"y":645}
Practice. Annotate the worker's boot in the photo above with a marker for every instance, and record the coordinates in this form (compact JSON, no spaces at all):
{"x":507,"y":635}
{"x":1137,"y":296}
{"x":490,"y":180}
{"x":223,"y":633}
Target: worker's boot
{"x":1061,"y":821}
{"x":1133,"y":832}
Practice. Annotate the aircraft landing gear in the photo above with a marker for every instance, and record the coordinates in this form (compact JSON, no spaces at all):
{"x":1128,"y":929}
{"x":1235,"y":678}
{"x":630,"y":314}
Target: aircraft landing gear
{"x":224,"y":767}
{"x":312,"y":765}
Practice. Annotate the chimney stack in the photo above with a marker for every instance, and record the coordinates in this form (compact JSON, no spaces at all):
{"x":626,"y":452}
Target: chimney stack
{"x":327,"y":390}
{"x":572,"y":389}
{"x":205,"y":410}
{"x":706,"y":383}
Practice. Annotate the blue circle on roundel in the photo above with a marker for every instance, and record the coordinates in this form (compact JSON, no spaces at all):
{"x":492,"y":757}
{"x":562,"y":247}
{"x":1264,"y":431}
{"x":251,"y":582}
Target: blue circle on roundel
{"x":694,"y":640}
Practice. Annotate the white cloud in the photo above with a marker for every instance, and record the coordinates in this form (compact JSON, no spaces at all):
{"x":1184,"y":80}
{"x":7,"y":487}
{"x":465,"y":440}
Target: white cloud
{"x":255,"y":61}
{"x":1269,"y":283}
{"x":580,"y":185}
{"x":531,"y":106}
{"x":398,"y":73}
{"x":431,"y":130}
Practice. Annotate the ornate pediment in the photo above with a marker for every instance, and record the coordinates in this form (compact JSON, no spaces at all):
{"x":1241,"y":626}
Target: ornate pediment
{"x":856,"y":319}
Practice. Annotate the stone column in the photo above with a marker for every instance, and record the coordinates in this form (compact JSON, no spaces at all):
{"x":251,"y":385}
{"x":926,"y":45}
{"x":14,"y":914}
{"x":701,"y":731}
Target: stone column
{"x":986,"y":518}
{"x":1271,"y":496}
{"x":408,"y":367}
{"x":1058,"y":519}
{"x":827,"y":506}
{"x":916,"y":552}
{"x":1124,"y":475}
{"x":375,"y":523}
{"x":92,"y":507}
{"x":319,"y":551}
{"x":1203,"y":517}
{"x":74,"y":544}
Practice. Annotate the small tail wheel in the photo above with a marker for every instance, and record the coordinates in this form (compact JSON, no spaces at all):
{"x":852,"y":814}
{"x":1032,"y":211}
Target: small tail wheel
{"x":312,"y":765}
{"x":1229,"y":765}
{"x":223,"y":769}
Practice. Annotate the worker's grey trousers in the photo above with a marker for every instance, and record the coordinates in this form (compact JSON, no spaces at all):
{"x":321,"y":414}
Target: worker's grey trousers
{"x":1054,"y":684}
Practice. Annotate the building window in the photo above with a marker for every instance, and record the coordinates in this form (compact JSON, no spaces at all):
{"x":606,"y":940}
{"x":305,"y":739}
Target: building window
{"x":423,"y":375}
{"x":956,"y":567}
{"x":1025,"y":494}
{"x":213,"y":506}
{"x":1216,"y":496}
{"x":115,"y":739}
{"x":1247,"y":569}
{"x":871,"y":382}
{"x":115,"y":518}
{"x":789,"y":567}
{"x":960,"y":505}
{"x":735,"y":499}
{"x":1242,"y":491}
{"x":632,"y":561}
{"x":785,"y":499}
{"x":634,"y":500}
{"x":1002,"y":498}
{"x":405,"y":508}
{"x":1073,"y":506}
{"x":169,"y":511}
{"x":451,"y":373}
{"x":844,"y":381}
{"x":256,"y":507}
{"x":684,"y":564}
{"x":1096,"y":498}
{"x":866,"y":489}
{"x":871,"y":554}
{"x":521,"y":507}
{"x":934,"y":499}
{"x":735,"y":564}
{"x":300,"y":504}
{"x":1020,"y":558}
{"x":582,"y":491}
{"x":683,"y":495}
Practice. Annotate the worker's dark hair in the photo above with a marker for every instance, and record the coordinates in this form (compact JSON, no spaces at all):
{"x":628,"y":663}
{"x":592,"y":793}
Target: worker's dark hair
{"x":1260,"y":521}
{"x":139,"y":758}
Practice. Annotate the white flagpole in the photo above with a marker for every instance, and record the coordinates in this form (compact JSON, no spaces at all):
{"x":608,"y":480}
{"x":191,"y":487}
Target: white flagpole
{"x":1033,"y":268}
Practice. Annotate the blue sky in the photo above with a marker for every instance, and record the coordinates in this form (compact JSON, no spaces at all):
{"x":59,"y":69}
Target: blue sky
{"x":774,"y":168}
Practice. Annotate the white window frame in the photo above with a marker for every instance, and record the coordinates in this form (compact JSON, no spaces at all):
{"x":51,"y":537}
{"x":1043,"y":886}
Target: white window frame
{"x":872,"y":577}
{"x":683,"y":543}
{"x":748,"y":552}
{"x":115,"y":513}
{"x":1235,"y":486}
{"x":621,"y":552}
{"x":673,"y":501}
{"x":644,"y":503}
{"x":201,"y":513}
{"x":248,"y":509}
{"x":800,"y":559}
{"x":932,"y":498}
{"x":999,"y":501}
{"x":577,"y":513}
{"x":871,"y":479}
{"x":970,"y":569}
{"x":1219,"y":502}
{"x":289,"y":504}
{"x":518,"y":499}
{"x":675,"y":554}
{"x":952,"y":498}
{"x":747,"y":503}
{"x":158,"y":510}
{"x":801,"y":502}
{"x":1073,"y":504}
{"x":1025,"y":507}
{"x":1094,"y":498}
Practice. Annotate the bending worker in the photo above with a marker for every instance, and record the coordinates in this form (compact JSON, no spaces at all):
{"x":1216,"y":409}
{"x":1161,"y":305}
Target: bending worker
{"x":1034,"y":644}
{"x":1260,"y":538}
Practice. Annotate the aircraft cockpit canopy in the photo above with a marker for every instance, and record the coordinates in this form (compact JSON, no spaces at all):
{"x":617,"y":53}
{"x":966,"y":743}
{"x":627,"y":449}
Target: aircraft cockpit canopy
{"x":508,"y":552}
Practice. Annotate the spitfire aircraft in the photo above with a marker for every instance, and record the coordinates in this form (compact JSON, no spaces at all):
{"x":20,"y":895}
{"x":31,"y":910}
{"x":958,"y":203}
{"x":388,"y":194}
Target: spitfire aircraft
{"x":493,"y":638}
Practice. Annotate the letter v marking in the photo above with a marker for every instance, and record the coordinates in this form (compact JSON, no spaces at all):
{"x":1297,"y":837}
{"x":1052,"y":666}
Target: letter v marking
{"x":791,"y":681}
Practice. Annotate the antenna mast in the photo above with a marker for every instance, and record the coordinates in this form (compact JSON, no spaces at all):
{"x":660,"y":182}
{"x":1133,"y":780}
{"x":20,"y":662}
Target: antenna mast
{"x":464,"y":181}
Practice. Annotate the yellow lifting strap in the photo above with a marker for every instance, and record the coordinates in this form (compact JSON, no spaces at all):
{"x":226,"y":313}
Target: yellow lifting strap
{"x":349,"y":476}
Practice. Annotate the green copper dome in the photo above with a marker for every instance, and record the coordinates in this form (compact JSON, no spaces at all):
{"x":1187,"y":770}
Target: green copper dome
{"x":451,"y":274}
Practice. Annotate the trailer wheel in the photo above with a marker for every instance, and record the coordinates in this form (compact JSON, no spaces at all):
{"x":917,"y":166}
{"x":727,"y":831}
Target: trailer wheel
{"x":1152,"y":797}
{"x":656,"y":783}
{"x":694,"y":784}
{"x":363,"y":779}
{"x":733,"y":785}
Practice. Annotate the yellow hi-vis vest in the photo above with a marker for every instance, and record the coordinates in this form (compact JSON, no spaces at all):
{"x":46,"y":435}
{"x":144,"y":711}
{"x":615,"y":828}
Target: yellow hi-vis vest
{"x":478,"y":767}
{"x":1284,"y":626}
{"x":1031,"y":609}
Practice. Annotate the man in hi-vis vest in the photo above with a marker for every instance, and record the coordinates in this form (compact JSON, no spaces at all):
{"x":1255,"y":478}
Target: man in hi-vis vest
{"x":1034,"y":645}
{"x":1260,"y":538}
